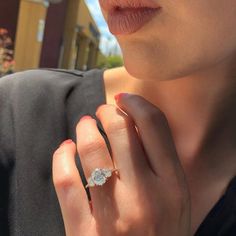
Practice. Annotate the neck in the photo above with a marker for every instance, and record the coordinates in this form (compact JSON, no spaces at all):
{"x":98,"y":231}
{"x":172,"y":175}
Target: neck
{"x":201,"y":111}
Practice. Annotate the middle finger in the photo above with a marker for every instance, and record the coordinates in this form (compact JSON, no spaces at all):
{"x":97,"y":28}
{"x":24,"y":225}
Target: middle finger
{"x":127,"y":151}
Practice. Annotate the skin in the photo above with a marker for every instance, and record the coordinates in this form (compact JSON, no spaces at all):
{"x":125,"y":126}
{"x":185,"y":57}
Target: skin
{"x":186,"y":91}
{"x":149,"y":196}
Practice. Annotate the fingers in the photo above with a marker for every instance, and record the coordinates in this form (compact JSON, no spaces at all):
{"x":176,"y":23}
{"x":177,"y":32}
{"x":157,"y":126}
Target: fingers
{"x":69,"y":188}
{"x":127,"y":151}
{"x":94,"y":154}
{"x":92,"y":148}
{"x":154,"y":131}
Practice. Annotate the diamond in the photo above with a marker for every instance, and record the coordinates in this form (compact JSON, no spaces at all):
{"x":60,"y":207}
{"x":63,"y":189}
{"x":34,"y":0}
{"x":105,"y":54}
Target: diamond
{"x":98,"y":177}
{"x":107,"y":172}
{"x":90,"y":182}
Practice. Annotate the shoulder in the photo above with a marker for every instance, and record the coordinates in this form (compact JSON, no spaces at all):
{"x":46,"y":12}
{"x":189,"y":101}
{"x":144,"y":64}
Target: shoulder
{"x":32,"y":94}
{"x":114,"y":75}
{"x":47,"y":80}
{"x":116,"y":80}
{"x":40,"y":76}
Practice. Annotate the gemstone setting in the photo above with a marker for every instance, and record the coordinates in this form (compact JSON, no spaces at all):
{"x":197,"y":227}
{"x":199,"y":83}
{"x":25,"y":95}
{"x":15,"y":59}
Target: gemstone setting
{"x":99,"y":177}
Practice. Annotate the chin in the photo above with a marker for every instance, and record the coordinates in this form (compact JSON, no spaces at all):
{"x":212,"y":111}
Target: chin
{"x":141,"y":71}
{"x":159,"y":64}
{"x":149,"y":61}
{"x":148,"y":67}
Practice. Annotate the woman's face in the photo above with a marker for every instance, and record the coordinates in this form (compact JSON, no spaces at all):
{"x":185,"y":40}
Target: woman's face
{"x":185,"y":36}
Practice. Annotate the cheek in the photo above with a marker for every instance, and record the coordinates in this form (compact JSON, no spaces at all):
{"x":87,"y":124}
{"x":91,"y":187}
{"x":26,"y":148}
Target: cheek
{"x":181,"y":41}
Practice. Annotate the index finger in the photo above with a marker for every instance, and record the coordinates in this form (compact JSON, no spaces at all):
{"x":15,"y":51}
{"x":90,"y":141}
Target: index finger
{"x":69,"y":188}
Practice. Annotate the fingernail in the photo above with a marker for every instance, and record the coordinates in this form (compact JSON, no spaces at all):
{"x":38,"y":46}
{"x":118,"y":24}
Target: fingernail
{"x":86,"y":118}
{"x":120,"y":95}
{"x":66,"y":142}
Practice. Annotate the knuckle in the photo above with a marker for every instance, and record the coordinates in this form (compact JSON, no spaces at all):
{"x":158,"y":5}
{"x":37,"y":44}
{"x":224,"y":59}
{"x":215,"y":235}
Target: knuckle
{"x":91,"y":146}
{"x":103,"y":108}
{"x":148,"y":111}
{"x":118,"y":120}
{"x":118,"y":124}
{"x":125,"y":225}
{"x":57,"y":153}
{"x":151,"y":114}
{"x":138,"y":215}
{"x":63,"y":181}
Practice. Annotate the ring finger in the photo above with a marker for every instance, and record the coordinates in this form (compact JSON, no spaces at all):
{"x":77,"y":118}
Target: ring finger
{"x":94,"y":154}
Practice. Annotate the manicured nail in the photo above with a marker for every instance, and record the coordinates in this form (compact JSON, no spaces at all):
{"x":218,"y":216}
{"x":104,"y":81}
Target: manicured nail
{"x":66,"y":142}
{"x":86,"y":118}
{"x":120,"y":95}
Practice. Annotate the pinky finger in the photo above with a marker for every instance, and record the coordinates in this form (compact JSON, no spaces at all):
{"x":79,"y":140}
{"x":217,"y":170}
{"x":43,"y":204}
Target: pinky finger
{"x":70,"y":190}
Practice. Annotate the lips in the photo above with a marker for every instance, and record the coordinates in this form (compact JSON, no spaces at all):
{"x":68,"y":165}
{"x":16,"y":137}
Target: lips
{"x":128,"y":16}
{"x":111,"y":5}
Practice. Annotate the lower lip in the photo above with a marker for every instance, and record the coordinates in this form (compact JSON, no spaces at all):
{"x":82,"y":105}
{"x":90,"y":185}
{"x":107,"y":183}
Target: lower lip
{"x":129,"y":20}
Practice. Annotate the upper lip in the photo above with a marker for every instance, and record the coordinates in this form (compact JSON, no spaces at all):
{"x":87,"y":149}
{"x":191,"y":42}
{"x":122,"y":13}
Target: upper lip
{"x":109,"y":5}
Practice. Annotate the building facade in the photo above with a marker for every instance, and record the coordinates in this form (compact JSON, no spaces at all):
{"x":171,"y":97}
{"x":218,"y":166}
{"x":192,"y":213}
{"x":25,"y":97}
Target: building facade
{"x":60,"y":35}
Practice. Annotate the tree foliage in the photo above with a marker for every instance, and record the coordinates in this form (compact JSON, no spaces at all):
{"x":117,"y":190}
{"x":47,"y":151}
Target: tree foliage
{"x":6,"y":53}
{"x":114,"y":61}
{"x":110,"y":62}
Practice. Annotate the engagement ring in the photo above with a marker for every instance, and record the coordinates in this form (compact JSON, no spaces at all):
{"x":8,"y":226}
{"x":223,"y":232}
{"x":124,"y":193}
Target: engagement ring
{"x":99,"y":177}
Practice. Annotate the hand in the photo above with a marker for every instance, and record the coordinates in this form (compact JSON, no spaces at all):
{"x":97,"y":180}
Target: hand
{"x":149,"y":197}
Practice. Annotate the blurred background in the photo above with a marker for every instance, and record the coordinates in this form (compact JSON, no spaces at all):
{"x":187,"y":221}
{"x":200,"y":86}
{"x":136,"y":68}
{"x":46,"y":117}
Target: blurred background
{"x":67,"y":34}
